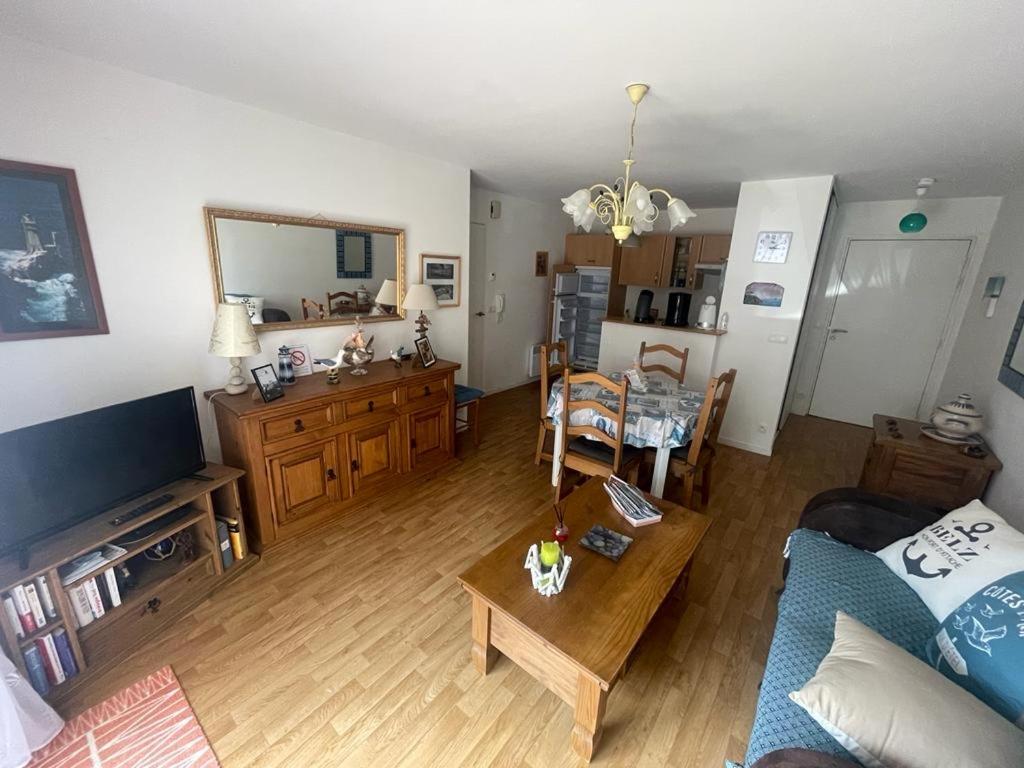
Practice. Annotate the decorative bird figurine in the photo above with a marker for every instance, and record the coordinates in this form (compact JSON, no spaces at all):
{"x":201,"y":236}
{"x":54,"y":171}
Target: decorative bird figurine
{"x":333,"y":366}
{"x":396,"y":357}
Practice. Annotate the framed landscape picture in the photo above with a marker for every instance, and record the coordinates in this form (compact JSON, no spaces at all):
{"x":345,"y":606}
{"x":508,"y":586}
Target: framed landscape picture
{"x":48,"y":284}
{"x":444,"y":275}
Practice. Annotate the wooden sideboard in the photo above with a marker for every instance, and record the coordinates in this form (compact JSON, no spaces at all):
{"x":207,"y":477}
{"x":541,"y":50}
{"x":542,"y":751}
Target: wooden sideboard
{"x":903,"y":462}
{"x":323,"y":448}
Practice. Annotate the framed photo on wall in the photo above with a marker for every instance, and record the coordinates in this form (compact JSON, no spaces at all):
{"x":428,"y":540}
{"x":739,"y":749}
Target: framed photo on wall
{"x":444,"y":275}
{"x":48,"y":283}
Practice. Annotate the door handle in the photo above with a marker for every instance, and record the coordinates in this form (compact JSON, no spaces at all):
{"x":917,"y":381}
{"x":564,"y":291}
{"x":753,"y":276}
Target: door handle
{"x":299,"y":426}
{"x":837,"y":330}
{"x":481,"y":314}
{"x":355,"y":465}
{"x":331,"y":475}
{"x":369,"y":406}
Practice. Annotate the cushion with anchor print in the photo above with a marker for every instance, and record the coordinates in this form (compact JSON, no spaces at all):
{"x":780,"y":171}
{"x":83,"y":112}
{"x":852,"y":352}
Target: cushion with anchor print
{"x":965,"y":551}
{"x":980,"y":646}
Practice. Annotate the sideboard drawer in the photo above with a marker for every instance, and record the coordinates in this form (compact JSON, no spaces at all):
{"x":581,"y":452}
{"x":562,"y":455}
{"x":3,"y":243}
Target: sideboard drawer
{"x":296,"y":423}
{"x":427,"y":391}
{"x":365,"y":407}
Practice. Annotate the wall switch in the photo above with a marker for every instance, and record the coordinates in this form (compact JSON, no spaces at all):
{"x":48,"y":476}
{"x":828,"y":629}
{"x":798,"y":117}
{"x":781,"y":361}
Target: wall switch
{"x":778,"y":338}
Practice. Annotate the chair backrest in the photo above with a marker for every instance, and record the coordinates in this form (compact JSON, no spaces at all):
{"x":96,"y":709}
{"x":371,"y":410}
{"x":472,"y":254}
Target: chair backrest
{"x":346,"y":303}
{"x":312,"y":310}
{"x":679,"y":374}
{"x":549,"y":370}
{"x":712,"y":414}
{"x":569,"y":380}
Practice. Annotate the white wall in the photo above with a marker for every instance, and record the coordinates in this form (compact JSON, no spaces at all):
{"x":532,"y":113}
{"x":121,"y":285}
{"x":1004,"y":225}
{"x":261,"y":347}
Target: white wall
{"x":149,"y":155}
{"x":288,"y":263}
{"x":793,"y":205}
{"x":709,"y":221}
{"x":970,"y":217}
{"x":512,"y":241}
{"x":978,"y":354}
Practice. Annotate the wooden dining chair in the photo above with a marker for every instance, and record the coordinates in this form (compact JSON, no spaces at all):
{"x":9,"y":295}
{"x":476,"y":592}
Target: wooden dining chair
{"x":312,"y":310}
{"x":587,"y":449}
{"x":549,"y":371}
{"x":678,"y":376}
{"x":694,"y":461}
{"x":341,"y":303}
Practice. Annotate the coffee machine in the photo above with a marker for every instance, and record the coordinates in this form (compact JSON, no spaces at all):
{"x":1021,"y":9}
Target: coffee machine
{"x":678,"y":309}
{"x":642,"y":314}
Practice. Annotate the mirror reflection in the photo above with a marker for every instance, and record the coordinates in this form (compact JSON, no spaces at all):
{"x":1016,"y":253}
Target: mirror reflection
{"x":306,"y":271}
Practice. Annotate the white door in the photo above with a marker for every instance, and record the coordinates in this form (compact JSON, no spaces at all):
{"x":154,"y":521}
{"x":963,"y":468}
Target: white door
{"x":890,"y":318}
{"x":477,"y":304}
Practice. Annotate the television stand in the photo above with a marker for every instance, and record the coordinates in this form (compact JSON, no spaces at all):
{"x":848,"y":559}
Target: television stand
{"x":159,"y":592}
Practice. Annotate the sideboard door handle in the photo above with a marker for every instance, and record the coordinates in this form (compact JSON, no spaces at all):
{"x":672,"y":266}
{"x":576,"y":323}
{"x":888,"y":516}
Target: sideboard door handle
{"x":331,"y":475}
{"x":370,"y":406}
{"x":299,"y":426}
{"x":426,"y":390}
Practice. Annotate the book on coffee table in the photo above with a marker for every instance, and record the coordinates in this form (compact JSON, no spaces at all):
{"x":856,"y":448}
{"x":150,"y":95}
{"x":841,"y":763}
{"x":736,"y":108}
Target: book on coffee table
{"x":607,"y":542}
{"x":629,"y":501}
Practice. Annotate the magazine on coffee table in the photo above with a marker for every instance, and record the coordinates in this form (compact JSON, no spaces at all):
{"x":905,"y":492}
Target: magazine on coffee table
{"x":629,"y":502}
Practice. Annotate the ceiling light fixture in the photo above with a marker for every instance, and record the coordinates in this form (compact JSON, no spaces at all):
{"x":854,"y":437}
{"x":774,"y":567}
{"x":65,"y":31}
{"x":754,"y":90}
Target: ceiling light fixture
{"x":916,"y":221}
{"x":627,"y":208}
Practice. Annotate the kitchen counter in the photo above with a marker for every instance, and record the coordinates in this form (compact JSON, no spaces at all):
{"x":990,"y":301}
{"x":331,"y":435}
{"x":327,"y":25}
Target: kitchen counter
{"x":620,"y":346}
{"x":661,"y":325}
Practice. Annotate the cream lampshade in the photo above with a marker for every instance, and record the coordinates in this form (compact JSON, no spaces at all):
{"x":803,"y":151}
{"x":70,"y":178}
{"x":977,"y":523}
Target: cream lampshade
{"x":233,"y":337}
{"x":421,"y":297}
{"x":387,"y":296}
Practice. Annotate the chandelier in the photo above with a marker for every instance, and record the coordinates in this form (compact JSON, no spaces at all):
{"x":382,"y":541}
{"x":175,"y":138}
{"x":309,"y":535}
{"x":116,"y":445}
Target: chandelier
{"x":625,"y":207}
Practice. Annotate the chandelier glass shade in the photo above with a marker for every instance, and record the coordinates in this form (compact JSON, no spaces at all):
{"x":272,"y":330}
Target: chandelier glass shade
{"x":627,"y":207}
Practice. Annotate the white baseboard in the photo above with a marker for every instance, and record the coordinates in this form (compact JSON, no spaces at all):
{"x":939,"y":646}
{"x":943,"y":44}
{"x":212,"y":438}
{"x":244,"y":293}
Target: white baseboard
{"x":527,"y":380}
{"x":743,"y":446}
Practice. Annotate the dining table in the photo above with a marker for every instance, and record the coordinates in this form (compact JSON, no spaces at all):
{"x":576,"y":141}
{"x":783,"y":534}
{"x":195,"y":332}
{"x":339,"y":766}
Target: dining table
{"x":662,"y":416}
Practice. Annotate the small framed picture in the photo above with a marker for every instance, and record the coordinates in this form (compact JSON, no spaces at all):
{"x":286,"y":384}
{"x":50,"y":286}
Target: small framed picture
{"x":444,"y":275}
{"x":540,"y":268}
{"x":426,"y":352}
{"x":267,"y":382}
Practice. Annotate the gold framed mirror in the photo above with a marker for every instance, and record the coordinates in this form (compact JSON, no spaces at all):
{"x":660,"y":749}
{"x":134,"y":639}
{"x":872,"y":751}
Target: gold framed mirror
{"x":294,"y":272}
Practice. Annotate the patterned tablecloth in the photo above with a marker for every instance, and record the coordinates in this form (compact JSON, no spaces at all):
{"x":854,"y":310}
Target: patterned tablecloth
{"x":662,"y":417}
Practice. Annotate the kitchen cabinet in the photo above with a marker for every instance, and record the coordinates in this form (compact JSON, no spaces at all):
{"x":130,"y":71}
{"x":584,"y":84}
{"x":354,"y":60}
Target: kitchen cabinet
{"x":714,"y":249}
{"x":649,"y":264}
{"x":590,"y":250}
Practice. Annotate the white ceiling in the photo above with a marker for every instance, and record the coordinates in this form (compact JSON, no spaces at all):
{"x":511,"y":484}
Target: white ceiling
{"x":529,"y":94}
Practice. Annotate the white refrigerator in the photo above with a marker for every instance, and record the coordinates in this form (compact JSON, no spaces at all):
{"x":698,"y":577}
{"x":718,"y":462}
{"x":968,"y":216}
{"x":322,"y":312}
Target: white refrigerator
{"x":580,"y":307}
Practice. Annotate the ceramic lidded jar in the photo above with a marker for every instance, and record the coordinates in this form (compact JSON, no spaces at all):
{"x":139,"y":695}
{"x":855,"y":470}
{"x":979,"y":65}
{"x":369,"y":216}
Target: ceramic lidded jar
{"x":958,"y":418}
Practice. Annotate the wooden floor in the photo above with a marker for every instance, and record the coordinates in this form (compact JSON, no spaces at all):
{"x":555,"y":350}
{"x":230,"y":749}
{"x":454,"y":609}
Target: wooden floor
{"x":350,"y":647}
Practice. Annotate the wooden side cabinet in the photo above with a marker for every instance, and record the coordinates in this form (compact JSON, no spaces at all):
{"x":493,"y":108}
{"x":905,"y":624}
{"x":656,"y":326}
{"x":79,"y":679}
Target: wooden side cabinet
{"x":904,"y":463}
{"x":324,"y":448}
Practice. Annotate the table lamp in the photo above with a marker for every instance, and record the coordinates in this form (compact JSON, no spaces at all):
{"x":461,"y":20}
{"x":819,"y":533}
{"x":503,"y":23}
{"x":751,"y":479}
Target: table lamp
{"x":420,"y":297}
{"x":233,"y":338}
{"x":387,"y":296}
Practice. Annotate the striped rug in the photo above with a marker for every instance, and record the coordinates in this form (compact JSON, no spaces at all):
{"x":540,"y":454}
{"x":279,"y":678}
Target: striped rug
{"x":147,"y":725}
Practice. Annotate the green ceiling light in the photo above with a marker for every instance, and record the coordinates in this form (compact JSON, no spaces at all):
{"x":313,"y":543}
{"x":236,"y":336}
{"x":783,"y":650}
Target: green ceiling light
{"x":916,"y":221}
{"x":913,"y":222}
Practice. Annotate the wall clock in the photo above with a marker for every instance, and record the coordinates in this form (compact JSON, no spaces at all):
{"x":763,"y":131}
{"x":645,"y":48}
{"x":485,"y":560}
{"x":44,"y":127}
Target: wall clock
{"x":772,"y":247}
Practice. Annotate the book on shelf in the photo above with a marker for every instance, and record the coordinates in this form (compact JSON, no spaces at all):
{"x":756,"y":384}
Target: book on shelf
{"x":80,"y":606}
{"x":12,"y":616}
{"x":43,"y":588}
{"x":64,"y":652}
{"x":95,"y":601}
{"x":629,"y":501}
{"x":101,"y":585}
{"x":93,"y":561}
{"x":51,"y":661}
{"x":35,"y":605}
{"x":235,"y":536}
{"x":24,"y":611}
{"x":113,"y":591}
{"x":225,"y":544}
{"x":36,"y":671}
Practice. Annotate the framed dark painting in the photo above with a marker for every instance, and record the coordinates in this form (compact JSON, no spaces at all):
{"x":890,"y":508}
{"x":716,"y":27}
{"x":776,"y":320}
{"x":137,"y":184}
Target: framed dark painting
{"x":48,"y":284}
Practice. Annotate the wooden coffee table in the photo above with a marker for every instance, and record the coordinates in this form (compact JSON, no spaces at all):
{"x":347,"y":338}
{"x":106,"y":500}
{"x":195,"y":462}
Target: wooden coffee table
{"x":577,"y":643}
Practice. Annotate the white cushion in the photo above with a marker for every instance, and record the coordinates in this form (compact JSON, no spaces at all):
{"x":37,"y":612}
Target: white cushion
{"x":889,"y":709}
{"x":948,"y":561}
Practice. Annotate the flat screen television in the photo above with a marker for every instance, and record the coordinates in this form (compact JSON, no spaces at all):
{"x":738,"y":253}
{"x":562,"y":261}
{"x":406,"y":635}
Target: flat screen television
{"x":56,"y":474}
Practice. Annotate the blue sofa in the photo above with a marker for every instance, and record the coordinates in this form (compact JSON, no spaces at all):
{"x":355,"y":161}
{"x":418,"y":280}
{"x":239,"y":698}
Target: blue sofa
{"x":830,"y":567}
